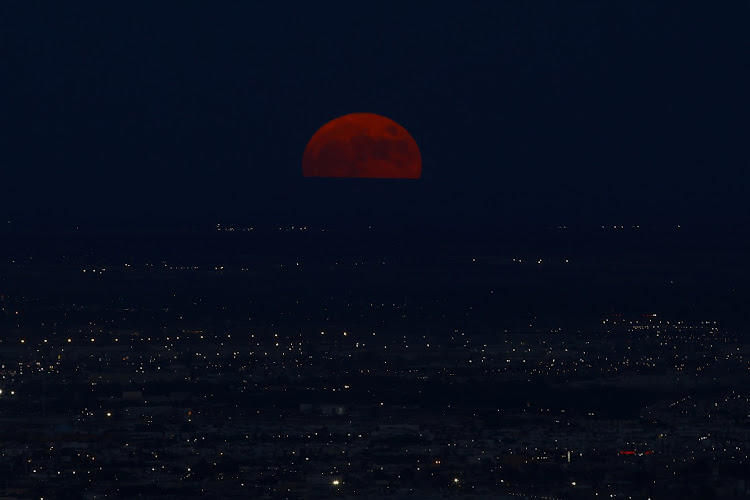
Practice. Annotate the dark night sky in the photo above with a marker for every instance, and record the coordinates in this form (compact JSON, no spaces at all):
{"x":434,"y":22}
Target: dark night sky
{"x":562,"y":112}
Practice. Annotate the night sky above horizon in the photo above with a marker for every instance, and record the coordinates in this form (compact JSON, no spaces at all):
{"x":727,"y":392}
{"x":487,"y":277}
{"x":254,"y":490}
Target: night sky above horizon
{"x":524,"y":112}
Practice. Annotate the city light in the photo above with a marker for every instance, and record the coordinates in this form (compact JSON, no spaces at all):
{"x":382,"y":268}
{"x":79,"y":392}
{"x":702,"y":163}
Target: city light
{"x":315,"y":407}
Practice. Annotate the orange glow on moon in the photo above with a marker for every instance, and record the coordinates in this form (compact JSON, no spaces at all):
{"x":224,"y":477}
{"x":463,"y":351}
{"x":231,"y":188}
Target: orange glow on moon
{"x":362,"y":145}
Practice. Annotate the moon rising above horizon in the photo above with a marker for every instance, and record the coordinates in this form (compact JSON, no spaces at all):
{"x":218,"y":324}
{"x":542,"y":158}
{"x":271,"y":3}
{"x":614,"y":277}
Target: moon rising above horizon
{"x":364,"y":145}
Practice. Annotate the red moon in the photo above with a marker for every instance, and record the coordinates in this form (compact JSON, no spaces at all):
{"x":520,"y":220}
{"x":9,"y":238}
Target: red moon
{"x":362,"y":145}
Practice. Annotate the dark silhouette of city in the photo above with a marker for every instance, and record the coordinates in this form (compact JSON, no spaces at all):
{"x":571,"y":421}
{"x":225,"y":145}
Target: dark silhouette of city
{"x":309,"y":362}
